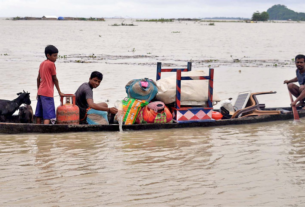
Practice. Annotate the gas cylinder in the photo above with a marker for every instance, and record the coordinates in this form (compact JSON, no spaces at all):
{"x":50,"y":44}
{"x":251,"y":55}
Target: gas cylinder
{"x":67,"y":113}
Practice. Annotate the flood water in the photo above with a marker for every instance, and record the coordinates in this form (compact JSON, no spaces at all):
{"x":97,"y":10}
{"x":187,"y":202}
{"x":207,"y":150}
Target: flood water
{"x":249,"y":165}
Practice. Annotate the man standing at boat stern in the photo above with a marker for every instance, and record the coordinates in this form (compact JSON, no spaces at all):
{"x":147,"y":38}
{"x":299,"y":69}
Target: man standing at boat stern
{"x":298,"y":91}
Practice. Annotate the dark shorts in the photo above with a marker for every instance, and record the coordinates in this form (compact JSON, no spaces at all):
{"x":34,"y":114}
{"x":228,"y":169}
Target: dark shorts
{"x":45,"y":108}
{"x":83,"y":115}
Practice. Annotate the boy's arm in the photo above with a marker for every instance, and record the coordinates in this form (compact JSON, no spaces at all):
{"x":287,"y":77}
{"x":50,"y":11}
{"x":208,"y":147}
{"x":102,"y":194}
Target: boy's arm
{"x":291,"y":81}
{"x":38,"y":84}
{"x":38,"y":81}
{"x":55,"y":80}
{"x":92,"y":105}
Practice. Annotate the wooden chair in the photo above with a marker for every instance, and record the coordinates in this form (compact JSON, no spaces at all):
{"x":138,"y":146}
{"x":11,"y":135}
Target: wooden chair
{"x":254,"y":108}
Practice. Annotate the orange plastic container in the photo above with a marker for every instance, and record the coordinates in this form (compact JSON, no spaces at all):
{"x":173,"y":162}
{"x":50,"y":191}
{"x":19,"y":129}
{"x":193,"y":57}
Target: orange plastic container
{"x":216,"y":115}
{"x":68,"y":113}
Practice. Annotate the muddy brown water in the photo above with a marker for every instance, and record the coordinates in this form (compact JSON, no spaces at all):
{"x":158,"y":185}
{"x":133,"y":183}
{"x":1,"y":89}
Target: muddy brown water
{"x":250,"y":165}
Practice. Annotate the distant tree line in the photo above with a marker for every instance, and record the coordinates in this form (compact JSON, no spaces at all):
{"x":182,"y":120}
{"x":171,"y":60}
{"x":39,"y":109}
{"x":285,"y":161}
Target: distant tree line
{"x":264,"y":16}
{"x":281,"y":12}
{"x":228,"y":18}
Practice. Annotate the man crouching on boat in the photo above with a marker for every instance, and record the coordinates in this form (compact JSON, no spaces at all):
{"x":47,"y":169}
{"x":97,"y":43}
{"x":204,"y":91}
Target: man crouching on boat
{"x":297,"y":91}
{"x":84,"y":97}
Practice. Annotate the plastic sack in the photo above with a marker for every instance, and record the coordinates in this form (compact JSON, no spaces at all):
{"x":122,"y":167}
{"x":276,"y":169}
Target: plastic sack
{"x":155,"y":112}
{"x":97,"y":117}
{"x":193,"y":92}
{"x":141,"y":89}
{"x":227,"y":104}
{"x":131,"y":108}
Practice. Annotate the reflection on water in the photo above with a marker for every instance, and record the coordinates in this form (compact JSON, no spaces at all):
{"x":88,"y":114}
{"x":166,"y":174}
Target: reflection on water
{"x":258,"y":164}
{"x":251,"y":165}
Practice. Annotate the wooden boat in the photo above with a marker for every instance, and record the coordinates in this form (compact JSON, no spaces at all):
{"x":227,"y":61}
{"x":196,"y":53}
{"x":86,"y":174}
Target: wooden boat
{"x":247,"y":111}
{"x":15,"y":128}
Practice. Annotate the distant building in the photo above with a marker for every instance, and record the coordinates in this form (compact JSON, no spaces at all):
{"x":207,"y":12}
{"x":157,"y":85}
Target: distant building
{"x":49,"y":17}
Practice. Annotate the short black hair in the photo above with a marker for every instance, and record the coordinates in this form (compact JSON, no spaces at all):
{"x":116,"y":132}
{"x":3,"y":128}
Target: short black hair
{"x":299,"y":57}
{"x":50,"y":49}
{"x":96,"y":74}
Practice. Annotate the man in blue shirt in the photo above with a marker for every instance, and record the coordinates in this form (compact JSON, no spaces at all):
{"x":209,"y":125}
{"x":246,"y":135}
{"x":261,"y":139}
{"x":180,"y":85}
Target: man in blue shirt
{"x":298,"y":91}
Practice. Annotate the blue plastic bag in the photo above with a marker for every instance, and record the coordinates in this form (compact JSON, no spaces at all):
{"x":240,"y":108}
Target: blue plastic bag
{"x":142,"y":89}
{"x":97,"y":117}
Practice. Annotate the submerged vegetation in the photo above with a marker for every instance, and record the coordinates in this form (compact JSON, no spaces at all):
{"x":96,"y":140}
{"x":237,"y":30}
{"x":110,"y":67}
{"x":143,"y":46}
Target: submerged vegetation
{"x":223,"y":21}
{"x":122,"y":24}
{"x":95,"y":19}
{"x":17,"y":18}
{"x":62,"y":56}
{"x":59,"y":18}
{"x":146,"y":56}
{"x":155,"y":20}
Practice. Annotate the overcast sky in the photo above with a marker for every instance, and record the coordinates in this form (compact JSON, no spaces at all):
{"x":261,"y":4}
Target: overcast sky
{"x":142,"y":8}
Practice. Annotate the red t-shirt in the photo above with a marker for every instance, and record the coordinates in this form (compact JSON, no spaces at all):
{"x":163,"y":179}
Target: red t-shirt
{"x":46,"y":70}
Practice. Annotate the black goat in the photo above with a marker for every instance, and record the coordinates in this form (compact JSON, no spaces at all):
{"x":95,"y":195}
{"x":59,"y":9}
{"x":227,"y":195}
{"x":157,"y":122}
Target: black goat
{"x":7,"y":108}
{"x":26,"y":114}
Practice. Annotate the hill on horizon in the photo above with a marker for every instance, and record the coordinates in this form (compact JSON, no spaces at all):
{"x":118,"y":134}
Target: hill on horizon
{"x":281,"y":12}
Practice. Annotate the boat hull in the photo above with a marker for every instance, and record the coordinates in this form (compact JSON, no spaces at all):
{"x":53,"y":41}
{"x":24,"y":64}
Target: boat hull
{"x":15,"y":128}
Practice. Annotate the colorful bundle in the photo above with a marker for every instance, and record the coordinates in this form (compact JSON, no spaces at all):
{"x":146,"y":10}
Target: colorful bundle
{"x":131,"y":108}
{"x":155,"y":112}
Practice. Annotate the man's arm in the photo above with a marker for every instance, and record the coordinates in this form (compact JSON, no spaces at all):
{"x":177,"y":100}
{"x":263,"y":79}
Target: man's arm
{"x":100,"y":107}
{"x":55,"y":80}
{"x":300,"y":98}
{"x":291,"y":81}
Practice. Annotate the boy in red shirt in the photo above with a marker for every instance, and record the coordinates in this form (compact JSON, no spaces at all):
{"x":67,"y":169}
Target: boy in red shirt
{"x":46,"y":80}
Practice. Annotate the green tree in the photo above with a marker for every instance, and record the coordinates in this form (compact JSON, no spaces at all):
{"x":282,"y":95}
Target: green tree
{"x":264,"y":16}
{"x":256,"y":16}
